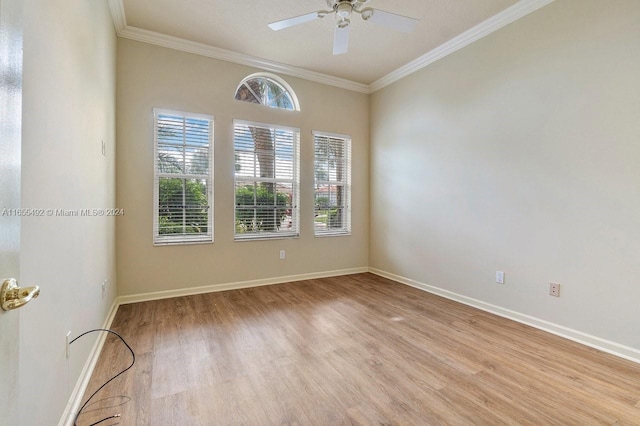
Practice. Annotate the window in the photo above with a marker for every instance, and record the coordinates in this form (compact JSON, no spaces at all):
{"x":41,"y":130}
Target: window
{"x":266,"y":181}
{"x":183,"y":177}
{"x":332,"y":184}
{"x":267,"y":89}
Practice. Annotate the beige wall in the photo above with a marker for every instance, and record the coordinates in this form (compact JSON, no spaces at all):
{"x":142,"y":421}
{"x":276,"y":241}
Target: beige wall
{"x":520,"y":153}
{"x":151,"y":76}
{"x":68,"y":109}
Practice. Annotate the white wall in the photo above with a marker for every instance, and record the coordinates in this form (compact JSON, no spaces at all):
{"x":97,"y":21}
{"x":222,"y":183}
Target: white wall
{"x":68,"y":109}
{"x":520,"y":153}
{"x":151,"y":76}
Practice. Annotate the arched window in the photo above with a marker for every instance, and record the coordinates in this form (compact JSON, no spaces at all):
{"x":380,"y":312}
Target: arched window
{"x":267,"y":89}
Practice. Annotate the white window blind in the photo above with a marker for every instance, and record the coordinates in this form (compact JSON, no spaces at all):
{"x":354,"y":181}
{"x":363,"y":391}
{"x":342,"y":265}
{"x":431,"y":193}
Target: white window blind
{"x":183,"y":180}
{"x":266,"y":181}
{"x":332,"y":189}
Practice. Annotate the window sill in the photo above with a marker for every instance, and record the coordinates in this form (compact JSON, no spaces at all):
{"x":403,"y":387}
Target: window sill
{"x":333,"y":234}
{"x":266,"y":237}
{"x":181,"y":242}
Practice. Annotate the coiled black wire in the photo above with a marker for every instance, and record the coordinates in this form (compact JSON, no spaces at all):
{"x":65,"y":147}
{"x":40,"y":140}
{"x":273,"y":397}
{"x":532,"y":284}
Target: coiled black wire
{"x":133,"y":361}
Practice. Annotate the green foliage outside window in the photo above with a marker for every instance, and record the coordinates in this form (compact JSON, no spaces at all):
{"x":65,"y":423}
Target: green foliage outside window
{"x":173,"y":195}
{"x":257,"y":209}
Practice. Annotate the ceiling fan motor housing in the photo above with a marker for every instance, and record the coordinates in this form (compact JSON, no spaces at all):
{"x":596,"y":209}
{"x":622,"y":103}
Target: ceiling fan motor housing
{"x":343,"y":13}
{"x":344,"y":9}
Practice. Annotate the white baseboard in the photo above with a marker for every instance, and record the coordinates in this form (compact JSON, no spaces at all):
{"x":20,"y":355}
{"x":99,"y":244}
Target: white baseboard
{"x":85,"y":375}
{"x":143,"y":297}
{"x":617,"y":349}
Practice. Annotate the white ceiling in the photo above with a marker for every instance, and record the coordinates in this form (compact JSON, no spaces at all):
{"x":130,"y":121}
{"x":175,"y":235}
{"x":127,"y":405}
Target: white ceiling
{"x":374,"y":51}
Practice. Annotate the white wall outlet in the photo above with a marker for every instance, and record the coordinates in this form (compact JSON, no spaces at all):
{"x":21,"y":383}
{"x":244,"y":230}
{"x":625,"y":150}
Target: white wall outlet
{"x":67,"y":340}
{"x":554,"y":289}
{"x":282,"y":254}
{"x":500,"y":277}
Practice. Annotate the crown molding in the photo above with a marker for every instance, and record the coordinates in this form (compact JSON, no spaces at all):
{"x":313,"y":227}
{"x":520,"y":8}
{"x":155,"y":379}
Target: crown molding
{"x":117,"y":15}
{"x":507,"y":16}
{"x":502,"y":19}
{"x":201,"y":49}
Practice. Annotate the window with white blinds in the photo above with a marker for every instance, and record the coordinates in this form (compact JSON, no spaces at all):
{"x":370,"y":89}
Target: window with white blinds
{"x":266,"y":180}
{"x":332,"y":189}
{"x":183,"y":180}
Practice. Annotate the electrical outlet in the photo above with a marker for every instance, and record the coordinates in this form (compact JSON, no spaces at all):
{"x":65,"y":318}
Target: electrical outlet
{"x":500,"y":277}
{"x":282,"y":254}
{"x":104,"y":287}
{"x":67,"y":340}
{"x":554,"y":289}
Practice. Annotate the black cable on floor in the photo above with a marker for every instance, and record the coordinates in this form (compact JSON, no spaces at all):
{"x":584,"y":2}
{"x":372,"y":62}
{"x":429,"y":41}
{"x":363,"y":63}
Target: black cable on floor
{"x":133,"y":361}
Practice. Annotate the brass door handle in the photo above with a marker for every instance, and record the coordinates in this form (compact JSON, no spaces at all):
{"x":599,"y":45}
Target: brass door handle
{"x":13,"y":297}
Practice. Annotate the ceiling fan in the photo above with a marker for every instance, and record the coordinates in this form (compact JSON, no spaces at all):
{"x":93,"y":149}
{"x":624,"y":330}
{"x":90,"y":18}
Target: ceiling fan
{"x":344,"y":9}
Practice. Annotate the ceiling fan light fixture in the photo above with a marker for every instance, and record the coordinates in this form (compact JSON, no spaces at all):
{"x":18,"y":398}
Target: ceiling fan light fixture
{"x":344,"y":22}
{"x":366,"y":13}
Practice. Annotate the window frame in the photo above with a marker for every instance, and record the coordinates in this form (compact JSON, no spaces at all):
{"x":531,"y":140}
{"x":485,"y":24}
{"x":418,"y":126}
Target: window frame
{"x":345,"y":229}
{"x":295,"y":182}
{"x":275,"y":79}
{"x":180,"y":239}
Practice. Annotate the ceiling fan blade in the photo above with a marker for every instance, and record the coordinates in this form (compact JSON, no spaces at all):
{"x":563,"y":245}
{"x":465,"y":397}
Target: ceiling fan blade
{"x":341,"y":40}
{"x":391,"y":20}
{"x":286,"y":23}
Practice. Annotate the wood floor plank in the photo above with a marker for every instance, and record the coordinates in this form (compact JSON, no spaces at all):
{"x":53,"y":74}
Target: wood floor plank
{"x":347,"y":350}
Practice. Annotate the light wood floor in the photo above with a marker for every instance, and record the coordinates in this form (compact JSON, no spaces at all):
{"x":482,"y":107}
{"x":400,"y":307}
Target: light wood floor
{"x":350,"y":350}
